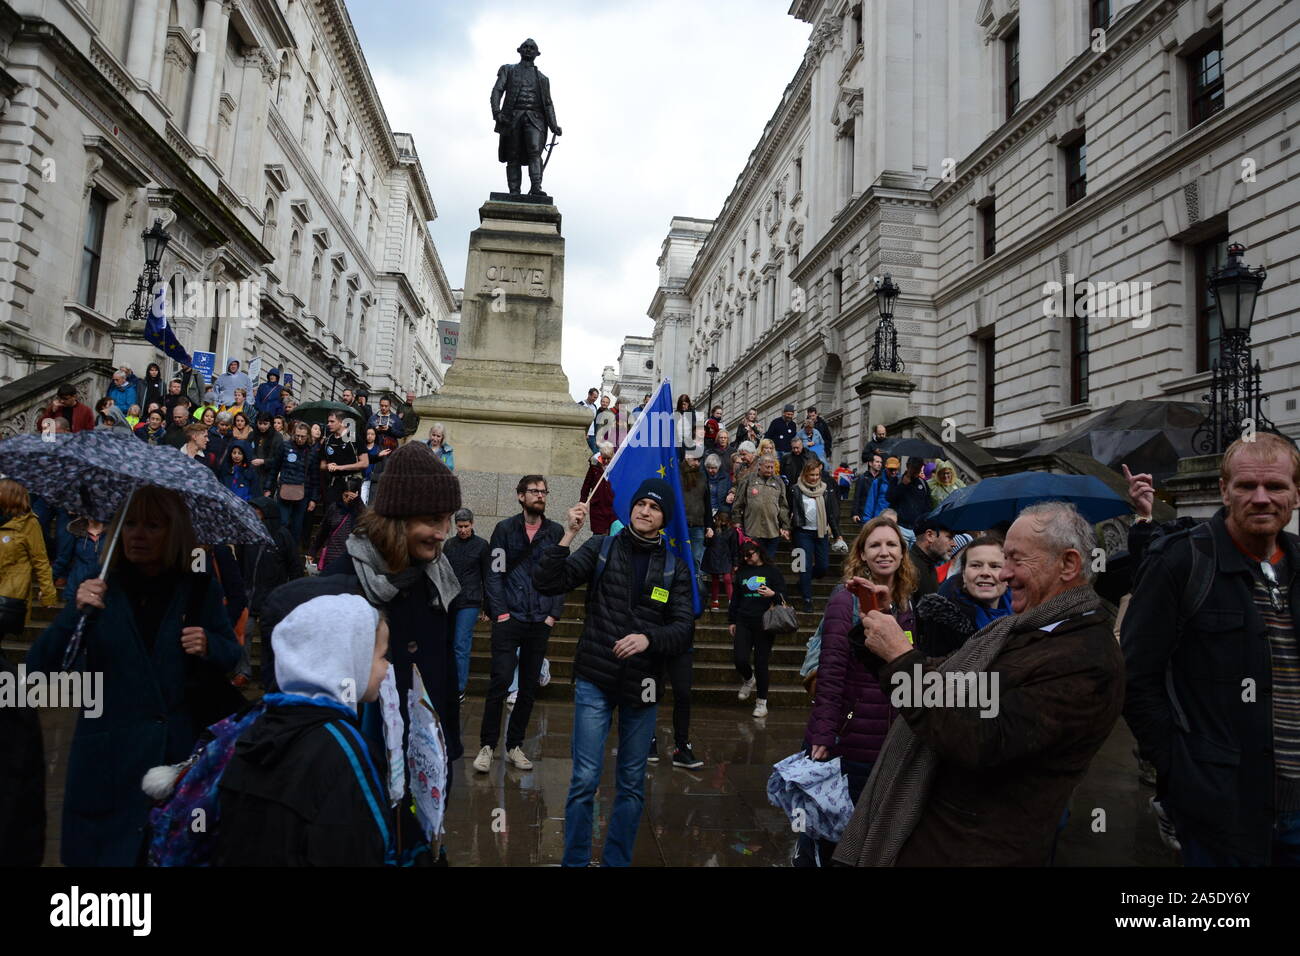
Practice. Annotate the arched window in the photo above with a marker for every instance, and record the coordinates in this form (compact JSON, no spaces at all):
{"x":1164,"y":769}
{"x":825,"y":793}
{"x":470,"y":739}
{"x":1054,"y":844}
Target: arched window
{"x":306,"y":121}
{"x":315,"y":285}
{"x":295,"y":258}
{"x":332,"y":320}
{"x":268,"y":224}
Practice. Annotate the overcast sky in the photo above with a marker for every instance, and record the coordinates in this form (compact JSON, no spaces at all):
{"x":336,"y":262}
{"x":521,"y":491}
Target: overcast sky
{"x":660,"y":103}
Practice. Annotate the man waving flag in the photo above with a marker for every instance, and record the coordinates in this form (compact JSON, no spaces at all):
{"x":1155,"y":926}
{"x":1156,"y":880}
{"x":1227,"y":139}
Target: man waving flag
{"x":649,"y":451}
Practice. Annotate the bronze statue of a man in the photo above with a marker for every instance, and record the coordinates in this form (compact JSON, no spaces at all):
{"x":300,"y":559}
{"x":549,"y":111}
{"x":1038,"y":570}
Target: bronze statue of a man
{"x":522,"y":109}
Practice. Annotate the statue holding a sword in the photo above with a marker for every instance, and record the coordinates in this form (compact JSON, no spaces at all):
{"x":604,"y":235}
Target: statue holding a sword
{"x":522,"y":109}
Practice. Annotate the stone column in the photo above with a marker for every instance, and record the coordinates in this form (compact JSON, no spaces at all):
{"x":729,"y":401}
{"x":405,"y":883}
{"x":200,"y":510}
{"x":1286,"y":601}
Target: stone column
{"x":207,"y":76}
{"x":250,"y":125}
{"x":140,"y":50}
{"x":1037,"y":48}
{"x":161,"y":23}
{"x":886,"y":398}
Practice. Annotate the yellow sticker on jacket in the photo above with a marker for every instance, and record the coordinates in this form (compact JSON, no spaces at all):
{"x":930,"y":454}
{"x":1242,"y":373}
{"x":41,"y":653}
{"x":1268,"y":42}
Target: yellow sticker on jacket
{"x":660,"y":595}
{"x":908,"y":635}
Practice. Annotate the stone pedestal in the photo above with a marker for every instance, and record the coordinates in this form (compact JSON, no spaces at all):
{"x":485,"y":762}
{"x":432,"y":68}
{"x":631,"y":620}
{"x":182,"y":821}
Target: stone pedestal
{"x":886,"y":398}
{"x":1195,"y":487}
{"x":505,"y":400}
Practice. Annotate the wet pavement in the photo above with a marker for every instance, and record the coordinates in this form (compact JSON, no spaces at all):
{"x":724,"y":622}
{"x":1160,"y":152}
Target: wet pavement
{"x":715,"y":816}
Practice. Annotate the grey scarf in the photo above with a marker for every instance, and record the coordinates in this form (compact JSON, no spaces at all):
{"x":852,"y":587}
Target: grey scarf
{"x":381,"y":587}
{"x":898,"y":789}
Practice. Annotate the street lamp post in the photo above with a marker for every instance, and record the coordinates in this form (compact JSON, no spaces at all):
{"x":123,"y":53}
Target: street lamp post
{"x":884,"y":350}
{"x":713,"y":371}
{"x":335,"y":368}
{"x":155,"y":244}
{"x":1235,"y":398}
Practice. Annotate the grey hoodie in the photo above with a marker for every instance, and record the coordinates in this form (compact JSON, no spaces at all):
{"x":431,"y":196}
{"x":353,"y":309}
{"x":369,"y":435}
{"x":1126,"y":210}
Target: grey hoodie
{"x":324,"y":647}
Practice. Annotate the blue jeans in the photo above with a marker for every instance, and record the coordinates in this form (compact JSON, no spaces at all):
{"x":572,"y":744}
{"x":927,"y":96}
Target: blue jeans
{"x":909,"y":536}
{"x":593,"y":713}
{"x":292,"y":514}
{"x":1286,"y":846}
{"x":464,"y":622}
{"x":591,"y":443}
{"x":816,"y":558}
{"x":697,"y":548}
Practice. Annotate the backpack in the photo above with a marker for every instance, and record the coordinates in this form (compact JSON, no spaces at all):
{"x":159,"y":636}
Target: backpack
{"x":183,"y":824}
{"x":813,"y":655}
{"x":1196,"y":590}
{"x":670,"y":565}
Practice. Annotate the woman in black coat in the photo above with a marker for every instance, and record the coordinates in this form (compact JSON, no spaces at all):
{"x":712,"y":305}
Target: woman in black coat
{"x":164,"y":646}
{"x":757,"y":587}
{"x":395,"y":551}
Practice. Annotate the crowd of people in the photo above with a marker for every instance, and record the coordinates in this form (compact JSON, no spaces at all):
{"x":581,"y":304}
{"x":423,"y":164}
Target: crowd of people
{"x":401,"y":579}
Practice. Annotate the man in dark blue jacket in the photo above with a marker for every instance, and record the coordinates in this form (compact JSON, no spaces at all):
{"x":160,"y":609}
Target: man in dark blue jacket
{"x":782,"y":430}
{"x":471,"y":559}
{"x":910,"y":497}
{"x":522,"y":626}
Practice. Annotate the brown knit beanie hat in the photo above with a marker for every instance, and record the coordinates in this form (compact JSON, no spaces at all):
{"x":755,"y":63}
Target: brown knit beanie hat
{"x":415,"y":482}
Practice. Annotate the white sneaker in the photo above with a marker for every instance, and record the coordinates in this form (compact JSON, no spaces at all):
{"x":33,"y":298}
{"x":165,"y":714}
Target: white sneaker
{"x":545,"y":677}
{"x":746,"y":688}
{"x":519,"y":759}
{"x":760,"y":707}
{"x":510,"y":701}
{"x":483,"y":762}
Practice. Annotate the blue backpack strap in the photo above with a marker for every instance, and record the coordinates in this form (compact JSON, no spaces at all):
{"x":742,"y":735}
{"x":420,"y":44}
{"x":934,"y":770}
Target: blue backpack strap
{"x":370,"y":786}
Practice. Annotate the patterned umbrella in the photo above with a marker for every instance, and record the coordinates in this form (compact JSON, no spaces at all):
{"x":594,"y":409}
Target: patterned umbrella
{"x":94,"y":472}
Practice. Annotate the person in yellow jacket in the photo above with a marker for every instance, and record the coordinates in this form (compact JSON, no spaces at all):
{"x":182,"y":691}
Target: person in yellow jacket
{"x":945,"y":482}
{"x":22,"y":557}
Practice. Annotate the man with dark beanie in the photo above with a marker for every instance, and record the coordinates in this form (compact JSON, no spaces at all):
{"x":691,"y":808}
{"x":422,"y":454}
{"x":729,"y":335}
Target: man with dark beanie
{"x":524,"y":618}
{"x":639,"y":612}
{"x":395,"y":553}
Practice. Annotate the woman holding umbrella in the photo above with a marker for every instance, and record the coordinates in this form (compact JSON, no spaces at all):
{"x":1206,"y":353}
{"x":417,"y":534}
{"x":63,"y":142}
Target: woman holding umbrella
{"x":161,"y":640}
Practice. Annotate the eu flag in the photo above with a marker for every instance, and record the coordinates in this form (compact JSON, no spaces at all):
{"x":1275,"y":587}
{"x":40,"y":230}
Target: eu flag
{"x":649,"y":451}
{"x":157,"y":331}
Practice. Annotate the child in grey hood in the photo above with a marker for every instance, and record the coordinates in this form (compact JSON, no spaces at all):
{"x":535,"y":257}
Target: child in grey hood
{"x":305,"y":787}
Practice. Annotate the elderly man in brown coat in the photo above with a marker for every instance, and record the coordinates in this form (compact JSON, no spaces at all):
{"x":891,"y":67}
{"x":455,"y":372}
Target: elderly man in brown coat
{"x":995,"y":737}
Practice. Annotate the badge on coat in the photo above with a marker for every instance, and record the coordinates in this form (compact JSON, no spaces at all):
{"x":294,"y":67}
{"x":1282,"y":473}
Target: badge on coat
{"x":291,"y":457}
{"x":658,"y":594}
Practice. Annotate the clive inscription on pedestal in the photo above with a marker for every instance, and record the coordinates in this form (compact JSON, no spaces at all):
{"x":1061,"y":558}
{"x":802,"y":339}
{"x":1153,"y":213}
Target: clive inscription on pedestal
{"x":515,"y":275}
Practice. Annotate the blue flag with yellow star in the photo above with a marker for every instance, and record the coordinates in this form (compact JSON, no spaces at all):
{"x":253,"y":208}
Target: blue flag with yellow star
{"x":159,"y":332}
{"x":650,"y":451}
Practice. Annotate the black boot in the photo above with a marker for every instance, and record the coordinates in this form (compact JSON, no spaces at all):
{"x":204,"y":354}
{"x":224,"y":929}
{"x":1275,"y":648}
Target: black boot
{"x":535,"y":178}
{"x":514,"y":178}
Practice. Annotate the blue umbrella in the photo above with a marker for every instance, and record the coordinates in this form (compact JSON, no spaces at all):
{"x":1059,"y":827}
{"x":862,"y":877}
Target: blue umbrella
{"x":999,"y":500}
{"x":96,"y":473}
{"x":814,"y":795}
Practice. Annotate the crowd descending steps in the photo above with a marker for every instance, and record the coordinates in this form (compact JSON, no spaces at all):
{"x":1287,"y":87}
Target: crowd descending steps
{"x":714,"y":681}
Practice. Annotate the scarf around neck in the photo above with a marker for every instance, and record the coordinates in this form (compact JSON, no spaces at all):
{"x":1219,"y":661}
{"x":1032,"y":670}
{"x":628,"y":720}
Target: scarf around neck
{"x":898,"y":789}
{"x":381,"y":586}
{"x":817,"y":493}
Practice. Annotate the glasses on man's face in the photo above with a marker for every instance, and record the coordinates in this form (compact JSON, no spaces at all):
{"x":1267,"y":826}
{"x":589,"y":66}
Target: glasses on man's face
{"x":1274,"y":587}
{"x":539,"y":492}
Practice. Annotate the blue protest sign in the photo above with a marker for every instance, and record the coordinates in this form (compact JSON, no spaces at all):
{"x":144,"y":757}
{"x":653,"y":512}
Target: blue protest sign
{"x":205,"y":363}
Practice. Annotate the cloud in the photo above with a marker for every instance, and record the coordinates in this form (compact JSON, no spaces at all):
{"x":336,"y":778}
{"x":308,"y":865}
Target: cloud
{"x":660,"y":104}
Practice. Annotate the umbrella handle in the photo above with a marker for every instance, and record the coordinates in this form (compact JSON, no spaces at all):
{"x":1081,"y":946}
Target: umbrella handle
{"x":73,"y":649}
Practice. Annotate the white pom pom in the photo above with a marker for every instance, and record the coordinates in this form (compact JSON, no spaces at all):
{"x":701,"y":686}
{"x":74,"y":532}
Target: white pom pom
{"x":159,"y":781}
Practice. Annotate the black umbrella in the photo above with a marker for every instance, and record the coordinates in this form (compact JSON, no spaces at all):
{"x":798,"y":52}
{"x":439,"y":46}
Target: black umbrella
{"x":909,"y":448}
{"x":998,"y":500}
{"x":96,"y":473}
{"x":315,"y":413}
{"x":1146,"y":435}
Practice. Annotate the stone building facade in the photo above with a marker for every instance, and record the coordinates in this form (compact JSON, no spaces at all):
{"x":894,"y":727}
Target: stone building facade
{"x":253,"y":130}
{"x":986,"y":153}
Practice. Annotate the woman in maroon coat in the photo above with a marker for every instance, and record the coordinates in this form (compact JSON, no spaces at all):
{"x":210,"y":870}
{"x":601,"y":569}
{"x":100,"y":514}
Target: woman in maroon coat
{"x":601,"y":513}
{"x":851,"y":712}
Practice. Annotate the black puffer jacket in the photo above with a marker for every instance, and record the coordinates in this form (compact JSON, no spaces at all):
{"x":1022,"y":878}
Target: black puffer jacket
{"x":472,"y":562}
{"x":614,"y":611}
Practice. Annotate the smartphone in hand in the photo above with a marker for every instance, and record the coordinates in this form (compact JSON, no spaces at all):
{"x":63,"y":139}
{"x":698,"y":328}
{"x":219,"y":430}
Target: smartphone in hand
{"x":865,"y":593}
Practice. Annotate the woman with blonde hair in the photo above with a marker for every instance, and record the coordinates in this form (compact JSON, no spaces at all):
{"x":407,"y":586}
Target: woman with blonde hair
{"x":851,"y":713}
{"x":160,"y":638}
{"x":23,"y":561}
{"x":437,"y":441}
